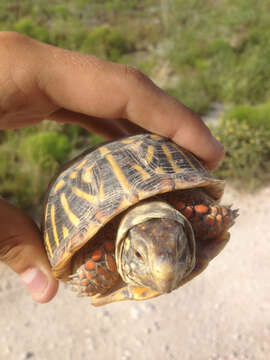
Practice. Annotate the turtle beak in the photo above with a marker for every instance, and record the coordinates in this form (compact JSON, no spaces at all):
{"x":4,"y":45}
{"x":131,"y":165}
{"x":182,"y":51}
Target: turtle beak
{"x":164,"y":273}
{"x":168,"y":272}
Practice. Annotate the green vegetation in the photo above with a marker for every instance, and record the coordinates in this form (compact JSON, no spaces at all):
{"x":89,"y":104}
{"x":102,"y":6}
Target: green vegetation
{"x":30,"y":157}
{"x":213,"y":51}
{"x":107,"y":42}
{"x":245,"y":133}
{"x":224,"y":47}
{"x":39,"y":156}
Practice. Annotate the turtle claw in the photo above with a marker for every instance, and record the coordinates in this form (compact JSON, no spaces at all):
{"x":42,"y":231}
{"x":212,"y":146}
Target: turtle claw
{"x":235,"y":214}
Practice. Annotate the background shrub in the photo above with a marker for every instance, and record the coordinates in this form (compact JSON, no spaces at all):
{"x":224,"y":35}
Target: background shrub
{"x":27,"y":27}
{"x":107,"y":43}
{"x":28,"y":163}
{"x":245,"y":133}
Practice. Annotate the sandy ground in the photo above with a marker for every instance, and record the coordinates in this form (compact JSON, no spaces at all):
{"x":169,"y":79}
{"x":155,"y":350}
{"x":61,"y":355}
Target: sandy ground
{"x":224,"y":314}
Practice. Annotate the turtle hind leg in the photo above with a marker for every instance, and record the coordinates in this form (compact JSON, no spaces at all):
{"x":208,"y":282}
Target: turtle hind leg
{"x":97,"y":272}
{"x":123,"y":292}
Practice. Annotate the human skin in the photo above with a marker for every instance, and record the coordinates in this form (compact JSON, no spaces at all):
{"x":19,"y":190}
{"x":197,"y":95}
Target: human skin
{"x":40,"y":81}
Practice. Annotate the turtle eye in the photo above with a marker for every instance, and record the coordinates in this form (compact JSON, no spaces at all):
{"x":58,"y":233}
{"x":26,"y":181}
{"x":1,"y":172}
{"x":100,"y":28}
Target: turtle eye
{"x":138,"y":255}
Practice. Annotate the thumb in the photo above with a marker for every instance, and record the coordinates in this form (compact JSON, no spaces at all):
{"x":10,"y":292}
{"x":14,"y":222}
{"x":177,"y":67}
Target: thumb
{"x":22,"y":250}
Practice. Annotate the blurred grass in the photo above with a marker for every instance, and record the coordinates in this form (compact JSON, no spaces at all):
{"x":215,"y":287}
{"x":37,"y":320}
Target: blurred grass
{"x":30,"y":157}
{"x":245,"y":133}
{"x":223,"y":49}
{"x":199,"y":51}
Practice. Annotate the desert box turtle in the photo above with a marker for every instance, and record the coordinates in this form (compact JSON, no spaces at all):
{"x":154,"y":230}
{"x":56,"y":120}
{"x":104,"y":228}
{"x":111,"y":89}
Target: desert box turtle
{"x":133,"y":219}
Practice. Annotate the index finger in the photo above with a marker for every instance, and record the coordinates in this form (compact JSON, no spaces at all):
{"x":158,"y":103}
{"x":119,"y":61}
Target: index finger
{"x":102,"y":89}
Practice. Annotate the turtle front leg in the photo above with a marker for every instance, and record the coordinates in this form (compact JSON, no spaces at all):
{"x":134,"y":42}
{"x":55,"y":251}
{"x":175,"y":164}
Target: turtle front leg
{"x":124,"y":292}
{"x":96,"y":271}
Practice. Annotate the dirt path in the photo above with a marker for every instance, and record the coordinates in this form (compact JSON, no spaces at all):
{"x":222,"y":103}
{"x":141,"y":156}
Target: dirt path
{"x":224,"y":314}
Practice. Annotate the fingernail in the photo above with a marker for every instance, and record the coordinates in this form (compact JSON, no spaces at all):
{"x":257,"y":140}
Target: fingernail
{"x":35,"y":280}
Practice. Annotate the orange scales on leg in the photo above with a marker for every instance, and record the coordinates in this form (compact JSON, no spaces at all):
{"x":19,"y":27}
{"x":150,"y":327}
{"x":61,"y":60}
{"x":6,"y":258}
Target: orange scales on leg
{"x":208,"y":221}
{"x":98,"y":273}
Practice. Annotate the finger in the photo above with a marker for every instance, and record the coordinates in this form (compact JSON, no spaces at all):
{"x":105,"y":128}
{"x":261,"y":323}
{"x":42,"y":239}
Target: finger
{"x":22,"y":250}
{"x":112,"y":91}
{"x":55,"y":78}
{"x":108,"y":129}
{"x":130,"y":128}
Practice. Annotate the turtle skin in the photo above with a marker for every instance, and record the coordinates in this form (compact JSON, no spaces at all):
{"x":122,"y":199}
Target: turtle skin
{"x":86,"y":201}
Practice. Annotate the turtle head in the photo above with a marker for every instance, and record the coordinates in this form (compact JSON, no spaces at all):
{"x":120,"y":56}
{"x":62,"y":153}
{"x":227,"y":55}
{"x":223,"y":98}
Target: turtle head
{"x":157,"y":249}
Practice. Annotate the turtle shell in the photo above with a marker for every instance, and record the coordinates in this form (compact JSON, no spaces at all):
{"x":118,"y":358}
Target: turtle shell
{"x":105,"y":181}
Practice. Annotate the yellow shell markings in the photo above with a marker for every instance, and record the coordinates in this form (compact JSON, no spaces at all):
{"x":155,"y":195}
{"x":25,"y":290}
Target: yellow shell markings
{"x":149,"y":153}
{"x":73,"y":175}
{"x":186,"y":157}
{"x":199,"y":164}
{"x":63,"y":255}
{"x":168,"y":154}
{"x":65,"y":232}
{"x":48,"y":245}
{"x":125,"y":204}
{"x":159,"y":170}
{"x":77,"y":243}
{"x":55,"y":234}
{"x":101,"y":190}
{"x":103,"y":150}
{"x":155,"y":137}
{"x":87,"y":174}
{"x":188,"y":160}
{"x":58,"y":186}
{"x":84,"y":195}
{"x":91,"y":230}
{"x":118,"y":173}
{"x":127,"y":141}
{"x":81,"y":164}
{"x":72,"y":217}
{"x":144,"y":174}
{"x":136,"y":145}
{"x":166,"y":185}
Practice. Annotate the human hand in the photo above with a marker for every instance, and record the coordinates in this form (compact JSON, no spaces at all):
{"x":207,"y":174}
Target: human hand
{"x":39,"y":81}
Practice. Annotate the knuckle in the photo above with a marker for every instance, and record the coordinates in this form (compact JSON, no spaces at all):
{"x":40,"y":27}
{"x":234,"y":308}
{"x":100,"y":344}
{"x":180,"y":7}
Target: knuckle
{"x":10,"y":249}
{"x":133,"y":74}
